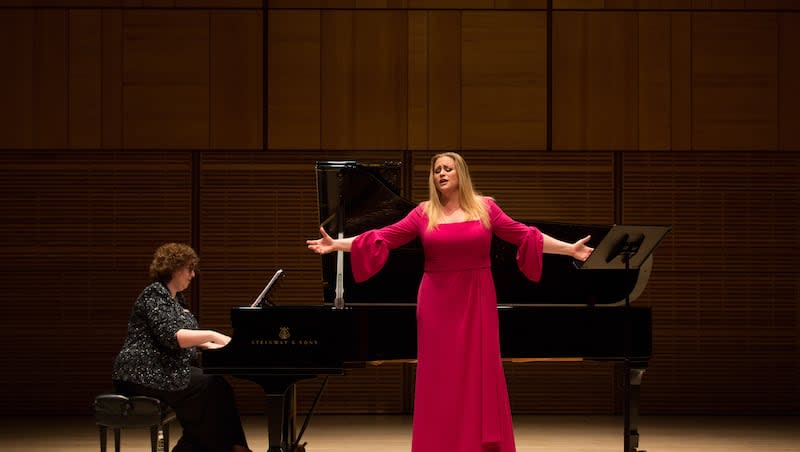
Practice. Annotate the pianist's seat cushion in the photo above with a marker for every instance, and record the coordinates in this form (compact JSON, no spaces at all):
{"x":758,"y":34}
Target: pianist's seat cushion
{"x":119,"y":411}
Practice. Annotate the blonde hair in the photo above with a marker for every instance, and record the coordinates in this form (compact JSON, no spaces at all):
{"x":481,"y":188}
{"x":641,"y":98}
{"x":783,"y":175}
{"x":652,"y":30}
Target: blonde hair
{"x":170,"y":257}
{"x":471,"y":201}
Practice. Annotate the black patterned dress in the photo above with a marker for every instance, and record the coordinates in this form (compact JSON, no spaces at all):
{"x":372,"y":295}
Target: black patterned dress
{"x":152,"y":363}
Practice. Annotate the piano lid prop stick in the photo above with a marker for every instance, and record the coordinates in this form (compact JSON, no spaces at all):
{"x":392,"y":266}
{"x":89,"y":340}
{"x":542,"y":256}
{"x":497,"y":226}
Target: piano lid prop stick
{"x":339,"y":301}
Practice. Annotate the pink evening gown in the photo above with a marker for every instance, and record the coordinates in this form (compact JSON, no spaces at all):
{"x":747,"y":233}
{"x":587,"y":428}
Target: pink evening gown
{"x":461,"y":400}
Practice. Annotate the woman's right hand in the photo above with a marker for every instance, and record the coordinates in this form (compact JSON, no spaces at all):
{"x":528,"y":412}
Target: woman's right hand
{"x":323,"y":245}
{"x":221,"y":339}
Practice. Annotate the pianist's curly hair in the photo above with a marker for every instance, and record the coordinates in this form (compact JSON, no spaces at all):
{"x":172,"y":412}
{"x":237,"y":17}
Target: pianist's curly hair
{"x":170,"y":257}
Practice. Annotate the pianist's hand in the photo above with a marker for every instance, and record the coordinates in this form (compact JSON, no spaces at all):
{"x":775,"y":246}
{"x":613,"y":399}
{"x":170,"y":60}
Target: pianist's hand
{"x":195,"y":338}
{"x":210,"y":346}
{"x":221,"y":339}
{"x":218,"y":340}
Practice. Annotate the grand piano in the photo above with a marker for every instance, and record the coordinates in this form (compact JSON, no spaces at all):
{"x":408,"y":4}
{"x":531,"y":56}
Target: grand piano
{"x":571,"y":313}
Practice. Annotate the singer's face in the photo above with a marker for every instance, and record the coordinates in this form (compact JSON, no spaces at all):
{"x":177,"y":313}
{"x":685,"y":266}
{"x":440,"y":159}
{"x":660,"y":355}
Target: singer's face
{"x":445,"y":175}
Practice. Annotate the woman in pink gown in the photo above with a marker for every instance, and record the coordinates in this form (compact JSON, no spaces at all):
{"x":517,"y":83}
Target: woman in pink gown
{"x":461,"y":400}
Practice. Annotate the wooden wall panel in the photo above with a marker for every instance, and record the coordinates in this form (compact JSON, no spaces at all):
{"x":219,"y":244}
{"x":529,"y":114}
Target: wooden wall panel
{"x":789,"y":81}
{"x":733,"y":207}
{"x":294,"y":78}
{"x":697,"y":5}
{"x":16,"y":80}
{"x":717,"y":4}
{"x":79,"y":230}
{"x":371,"y":390}
{"x":734,"y":81}
{"x":166,"y":79}
{"x":655,"y":100}
{"x":76,"y":326}
{"x":33,"y":84}
{"x":51,"y":207}
{"x":504,"y":80}
{"x":50,"y":97}
{"x":520,"y":4}
{"x":82,"y":66}
{"x":725,"y":310}
{"x":408,"y":4}
{"x":664,"y":54}
{"x":681,"y":81}
{"x":418,"y":56}
{"x":722,"y":5}
{"x":779,"y":4}
{"x":541,"y":387}
{"x":337,"y":93}
{"x":578,"y":4}
{"x":85,"y":79}
{"x":381,"y":79}
{"x":236,"y":80}
{"x":220,"y":4}
{"x":451,"y":4}
{"x":595,"y":80}
{"x":365,"y":53}
{"x":666,"y":4}
{"x":138,"y":4}
{"x":112,"y":79}
{"x":444,"y":80}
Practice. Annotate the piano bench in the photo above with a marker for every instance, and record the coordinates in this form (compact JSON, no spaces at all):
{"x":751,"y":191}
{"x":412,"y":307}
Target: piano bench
{"x":116,"y":411}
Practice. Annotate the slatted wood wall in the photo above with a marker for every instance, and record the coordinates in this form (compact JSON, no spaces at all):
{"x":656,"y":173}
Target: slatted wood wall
{"x":127,"y":123}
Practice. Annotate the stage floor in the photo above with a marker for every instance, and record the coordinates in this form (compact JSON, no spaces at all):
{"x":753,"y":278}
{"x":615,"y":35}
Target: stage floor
{"x":363,"y":433}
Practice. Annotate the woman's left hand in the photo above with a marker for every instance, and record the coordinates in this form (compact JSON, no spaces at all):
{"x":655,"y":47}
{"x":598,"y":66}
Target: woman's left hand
{"x":580,"y":250}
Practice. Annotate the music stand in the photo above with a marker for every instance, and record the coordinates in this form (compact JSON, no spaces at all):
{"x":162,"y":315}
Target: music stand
{"x":263,"y":297}
{"x":626,"y":248}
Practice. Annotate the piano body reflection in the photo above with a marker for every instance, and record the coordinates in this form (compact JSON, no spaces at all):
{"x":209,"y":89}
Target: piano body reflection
{"x":570,"y":313}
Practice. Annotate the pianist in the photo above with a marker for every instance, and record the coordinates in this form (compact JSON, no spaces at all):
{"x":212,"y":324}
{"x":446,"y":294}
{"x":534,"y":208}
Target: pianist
{"x":461,"y":400}
{"x":159,"y":348}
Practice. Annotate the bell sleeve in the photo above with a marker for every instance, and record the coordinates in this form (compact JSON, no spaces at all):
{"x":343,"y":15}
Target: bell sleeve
{"x":528,"y":239}
{"x":370,"y":250}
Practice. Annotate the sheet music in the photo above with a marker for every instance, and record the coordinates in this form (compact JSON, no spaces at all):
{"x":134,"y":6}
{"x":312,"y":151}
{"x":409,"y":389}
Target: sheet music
{"x":267,"y":288}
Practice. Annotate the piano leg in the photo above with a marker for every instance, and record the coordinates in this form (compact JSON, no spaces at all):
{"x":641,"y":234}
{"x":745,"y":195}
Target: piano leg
{"x":280,"y":411}
{"x":275,"y":410}
{"x":633,"y":383}
{"x":289,"y":417}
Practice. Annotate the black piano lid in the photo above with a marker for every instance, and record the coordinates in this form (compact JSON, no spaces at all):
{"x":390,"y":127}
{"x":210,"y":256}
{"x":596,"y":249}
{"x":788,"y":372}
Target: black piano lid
{"x":354,"y":197}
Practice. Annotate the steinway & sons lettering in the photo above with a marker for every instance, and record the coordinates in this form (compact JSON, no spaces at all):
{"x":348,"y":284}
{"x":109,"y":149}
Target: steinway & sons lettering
{"x":284,"y":342}
{"x":284,"y":338}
